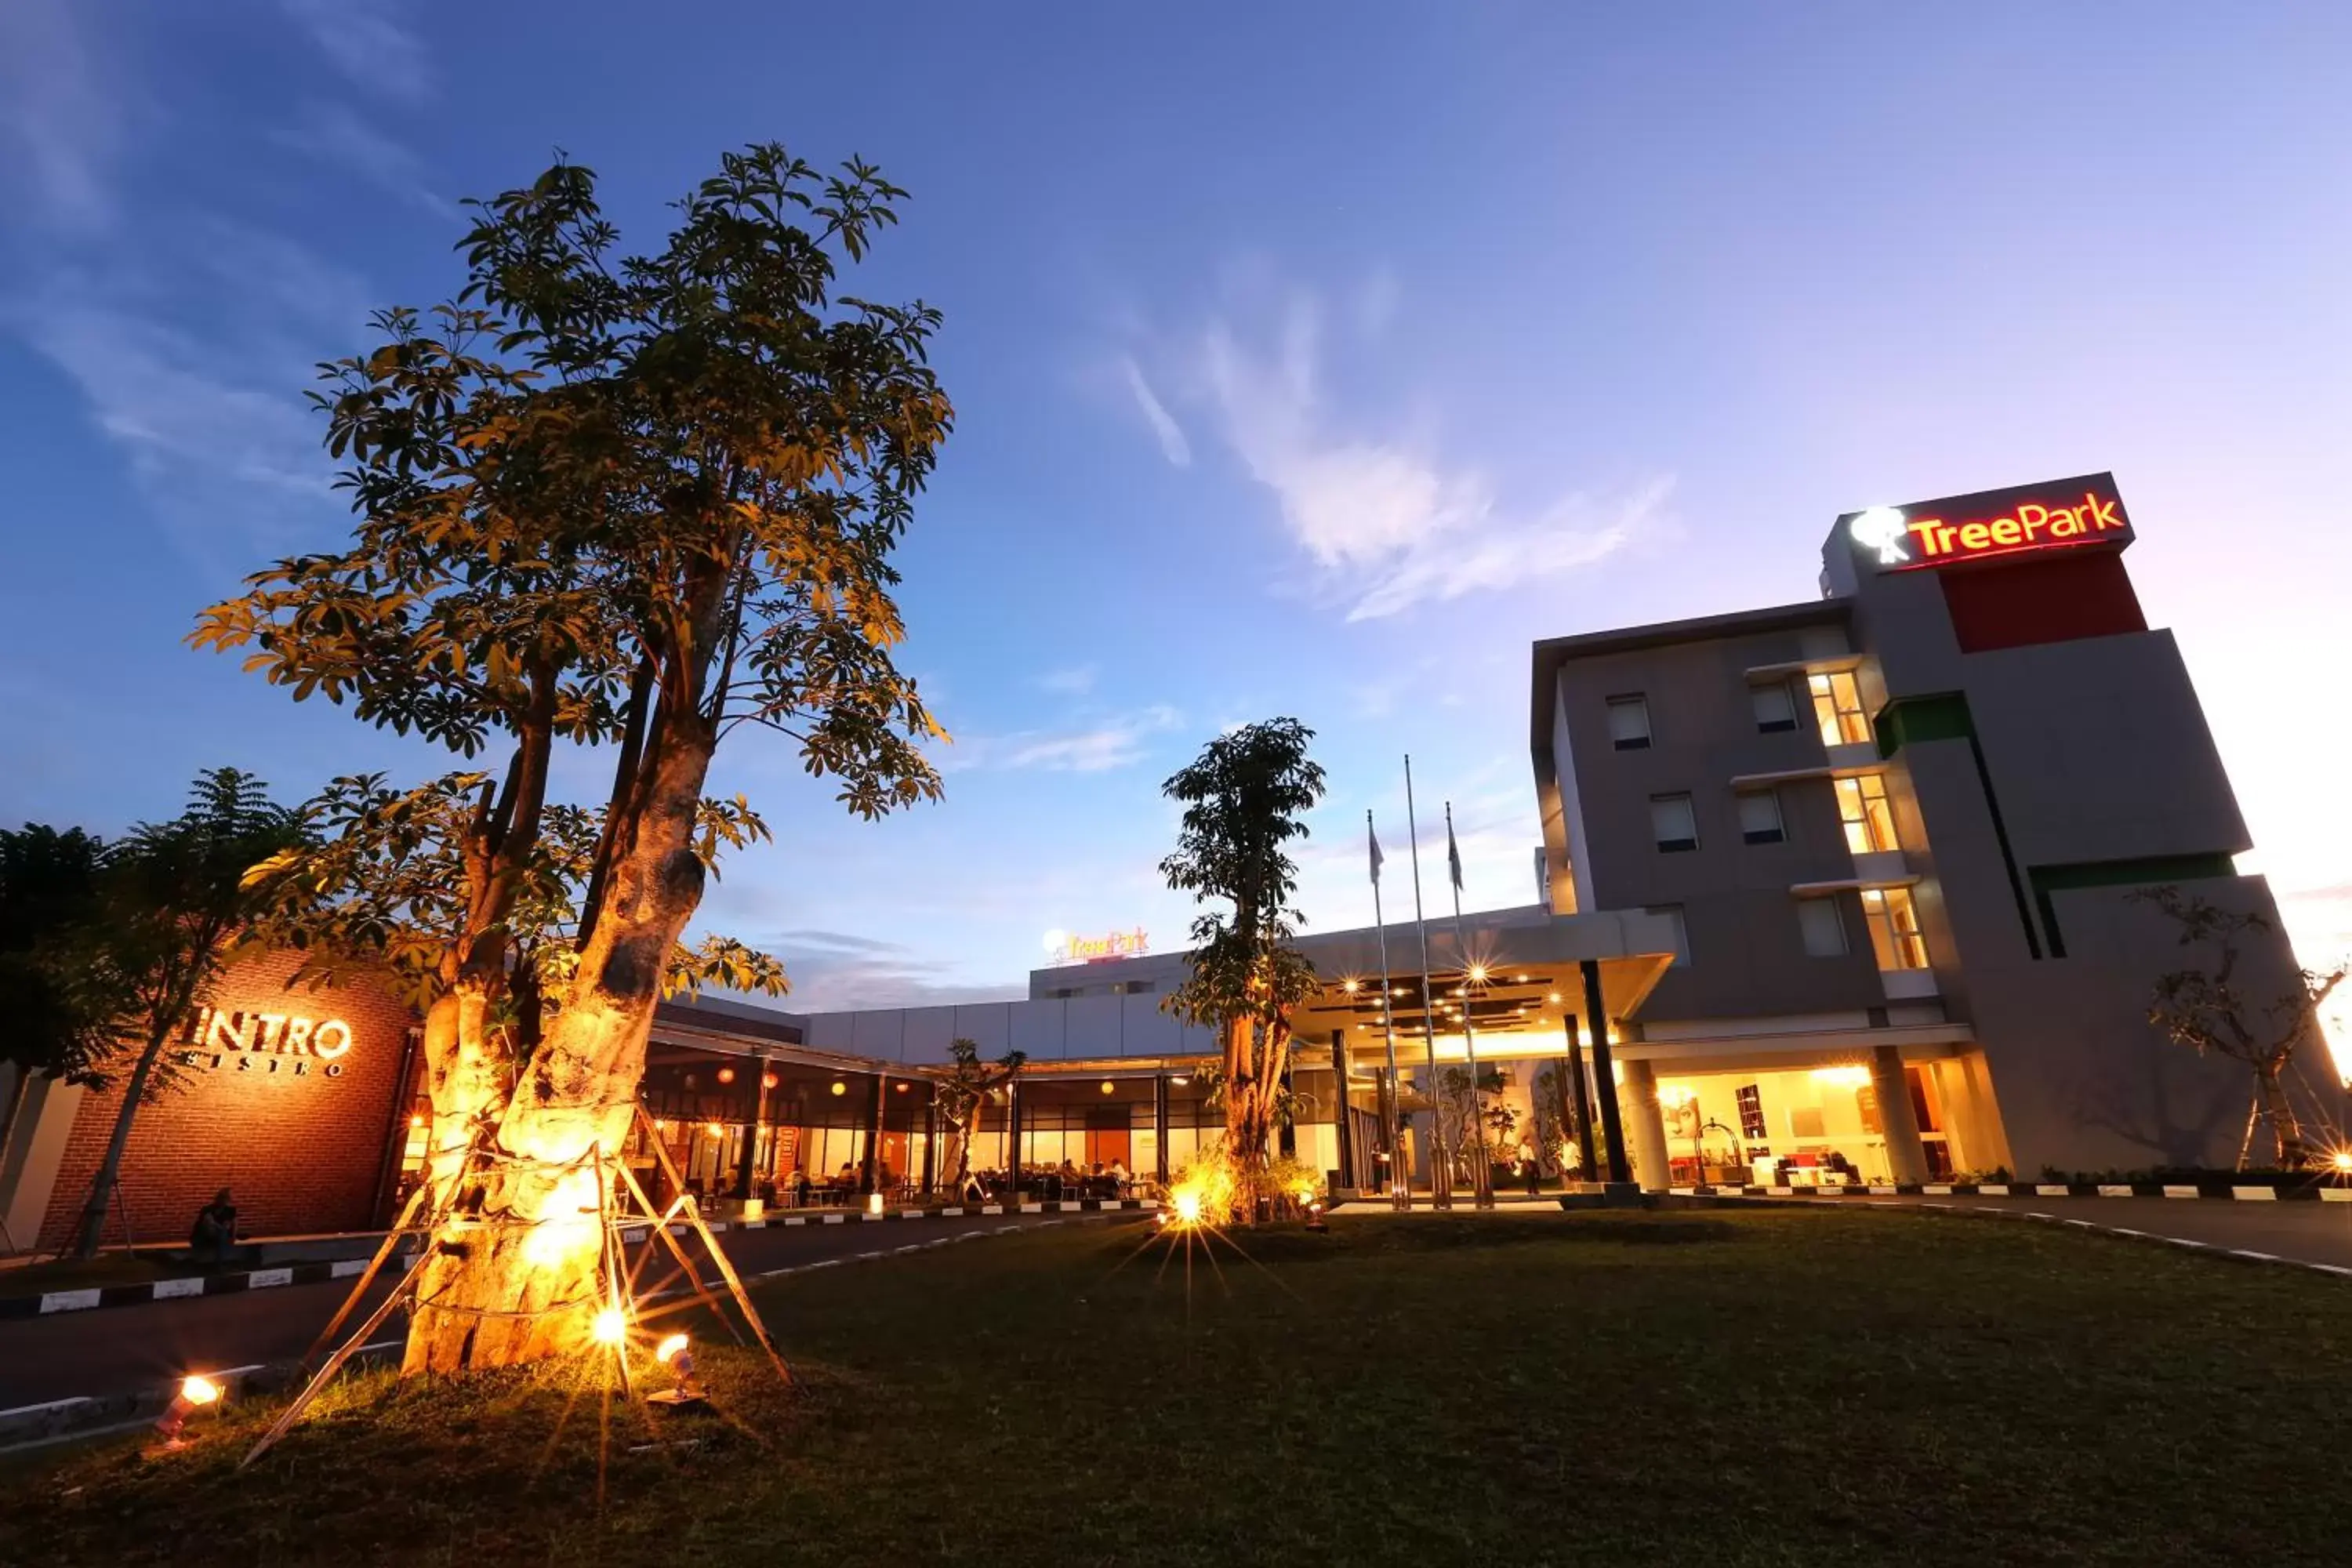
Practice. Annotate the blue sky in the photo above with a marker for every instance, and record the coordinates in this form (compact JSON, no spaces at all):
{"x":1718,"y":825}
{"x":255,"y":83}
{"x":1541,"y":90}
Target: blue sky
{"x":1309,"y":360}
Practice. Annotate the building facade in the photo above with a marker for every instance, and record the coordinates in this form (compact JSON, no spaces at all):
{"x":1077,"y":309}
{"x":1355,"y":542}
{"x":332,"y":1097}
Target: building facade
{"x":1900,"y":830}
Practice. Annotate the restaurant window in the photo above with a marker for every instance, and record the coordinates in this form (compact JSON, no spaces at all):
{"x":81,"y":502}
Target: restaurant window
{"x":1822,"y":927}
{"x":1674,"y":823}
{"x":1629,"y":722}
{"x":1894,"y":924}
{"x":1868,"y":816}
{"x":1759,"y":817}
{"x":1775,"y":706}
{"x":1674,"y":912}
{"x":1837,"y":708}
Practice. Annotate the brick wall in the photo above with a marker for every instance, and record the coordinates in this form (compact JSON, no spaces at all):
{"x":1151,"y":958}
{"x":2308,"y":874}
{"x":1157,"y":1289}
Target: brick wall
{"x":273,"y":1110}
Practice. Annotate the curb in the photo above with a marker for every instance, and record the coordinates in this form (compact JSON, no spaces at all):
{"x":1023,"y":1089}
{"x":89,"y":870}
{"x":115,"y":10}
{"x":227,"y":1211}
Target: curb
{"x":190,"y":1286}
{"x":2257,"y":1192}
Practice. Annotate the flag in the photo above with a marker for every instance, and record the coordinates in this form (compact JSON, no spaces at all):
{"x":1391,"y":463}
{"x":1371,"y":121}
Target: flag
{"x":1376,"y":856}
{"x":1453,"y":854}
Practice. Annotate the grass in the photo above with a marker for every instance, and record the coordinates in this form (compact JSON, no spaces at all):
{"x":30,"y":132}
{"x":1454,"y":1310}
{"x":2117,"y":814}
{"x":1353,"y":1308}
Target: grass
{"x":1685,"y":1388}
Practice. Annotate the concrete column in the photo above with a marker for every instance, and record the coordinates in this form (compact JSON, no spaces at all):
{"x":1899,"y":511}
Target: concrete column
{"x":1588,"y":1168}
{"x":1604,"y":1077}
{"x":1907,"y":1157}
{"x":1645,"y":1125}
{"x":1160,"y":1127}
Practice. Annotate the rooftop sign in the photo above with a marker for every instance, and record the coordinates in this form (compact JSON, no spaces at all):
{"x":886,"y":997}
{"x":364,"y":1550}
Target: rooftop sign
{"x":1065,"y":947}
{"x":2025,"y":520}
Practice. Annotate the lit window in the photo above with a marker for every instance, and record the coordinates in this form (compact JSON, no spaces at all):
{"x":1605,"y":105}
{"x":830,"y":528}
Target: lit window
{"x":1672,"y":820}
{"x":1775,"y":706}
{"x":1837,"y":706}
{"x":1629,"y":723}
{"x":1869,"y":819}
{"x":1759,"y":817}
{"x":1893,"y":928}
{"x":1824,"y":931}
{"x":1681,"y":932}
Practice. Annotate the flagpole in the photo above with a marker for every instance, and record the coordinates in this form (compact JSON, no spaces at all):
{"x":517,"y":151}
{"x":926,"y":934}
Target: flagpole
{"x":1482,"y":1174}
{"x":1400,"y":1179}
{"x":1441,"y":1174}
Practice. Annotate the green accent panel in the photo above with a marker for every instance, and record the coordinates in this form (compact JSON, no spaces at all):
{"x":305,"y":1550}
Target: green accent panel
{"x":2145,"y":872}
{"x":1907,"y":721}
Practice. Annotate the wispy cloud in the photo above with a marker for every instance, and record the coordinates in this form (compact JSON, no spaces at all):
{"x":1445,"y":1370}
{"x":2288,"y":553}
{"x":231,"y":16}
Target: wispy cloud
{"x":834,"y":971}
{"x":1076,"y":681}
{"x":54,"y":115}
{"x":1387,"y":523}
{"x":332,"y":134}
{"x":369,"y":41}
{"x":1098,"y":748}
{"x":1171,"y":435}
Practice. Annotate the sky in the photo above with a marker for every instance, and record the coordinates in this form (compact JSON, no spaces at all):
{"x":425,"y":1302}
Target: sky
{"x":1309,"y":360}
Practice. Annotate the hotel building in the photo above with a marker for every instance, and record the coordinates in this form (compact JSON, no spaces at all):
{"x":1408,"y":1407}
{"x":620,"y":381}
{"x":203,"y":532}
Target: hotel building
{"x":1844,"y":885}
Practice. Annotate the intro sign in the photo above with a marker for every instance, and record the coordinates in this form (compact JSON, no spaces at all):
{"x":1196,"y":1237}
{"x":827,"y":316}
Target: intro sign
{"x":2063,"y":514}
{"x":266,"y":1042}
{"x":1064,"y":947}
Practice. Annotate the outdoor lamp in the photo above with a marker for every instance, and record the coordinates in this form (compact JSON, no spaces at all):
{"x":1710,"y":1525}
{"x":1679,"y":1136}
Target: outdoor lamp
{"x":195,"y":1390}
{"x":767,"y":1080}
{"x":874,"y":1203}
{"x":839,"y":1087}
{"x":727,"y":1075}
{"x":1106,"y":1086}
{"x":675,"y":1353}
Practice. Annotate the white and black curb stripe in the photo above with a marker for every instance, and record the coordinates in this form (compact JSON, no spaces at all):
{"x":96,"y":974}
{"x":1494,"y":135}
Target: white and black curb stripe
{"x":2234,"y":1192}
{"x":232,"y":1282}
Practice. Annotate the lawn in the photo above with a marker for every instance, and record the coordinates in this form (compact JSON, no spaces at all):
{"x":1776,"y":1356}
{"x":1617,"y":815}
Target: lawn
{"x":1766,"y":1387}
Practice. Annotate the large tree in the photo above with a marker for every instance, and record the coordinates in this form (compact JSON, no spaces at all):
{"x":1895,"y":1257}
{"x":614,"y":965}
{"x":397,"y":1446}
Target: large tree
{"x":962,"y":1092}
{"x":172,"y":902}
{"x":605,"y":500}
{"x":1243,"y":798}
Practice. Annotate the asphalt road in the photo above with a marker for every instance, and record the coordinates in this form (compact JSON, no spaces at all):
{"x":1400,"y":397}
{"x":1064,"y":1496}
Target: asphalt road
{"x":112,"y":1348}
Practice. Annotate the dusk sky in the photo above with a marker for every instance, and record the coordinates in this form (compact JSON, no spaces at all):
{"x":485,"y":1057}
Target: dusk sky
{"x":1309,"y":360}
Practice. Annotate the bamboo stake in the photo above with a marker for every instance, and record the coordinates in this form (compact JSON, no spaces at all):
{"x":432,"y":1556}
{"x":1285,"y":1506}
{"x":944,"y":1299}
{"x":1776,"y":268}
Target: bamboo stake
{"x":334,"y":1363}
{"x":612,"y":1268}
{"x":391,"y":1240}
{"x":719,"y":1255}
{"x":693,"y":1275}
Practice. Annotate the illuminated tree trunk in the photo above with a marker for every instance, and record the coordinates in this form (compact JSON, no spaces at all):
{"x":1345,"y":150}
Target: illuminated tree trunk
{"x":2286,"y":1129}
{"x":513,"y":1275}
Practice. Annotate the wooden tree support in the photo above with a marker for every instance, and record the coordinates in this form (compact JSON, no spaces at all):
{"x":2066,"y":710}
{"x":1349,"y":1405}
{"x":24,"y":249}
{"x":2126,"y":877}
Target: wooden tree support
{"x":620,"y":1285}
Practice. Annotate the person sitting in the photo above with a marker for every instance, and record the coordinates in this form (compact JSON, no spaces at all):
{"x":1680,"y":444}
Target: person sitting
{"x":213,"y":1236}
{"x":800,"y":1187}
{"x":1119,"y":1178}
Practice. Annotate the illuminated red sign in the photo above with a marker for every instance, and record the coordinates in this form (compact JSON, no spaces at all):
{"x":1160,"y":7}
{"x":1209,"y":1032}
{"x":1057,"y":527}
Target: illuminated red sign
{"x":2061,"y":515}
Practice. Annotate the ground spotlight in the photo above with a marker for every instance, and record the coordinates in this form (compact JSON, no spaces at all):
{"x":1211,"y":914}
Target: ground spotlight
{"x":676,"y":1355}
{"x":195,"y":1391}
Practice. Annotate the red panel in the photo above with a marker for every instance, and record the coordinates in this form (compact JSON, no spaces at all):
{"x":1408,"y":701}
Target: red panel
{"x":2055,"y":598}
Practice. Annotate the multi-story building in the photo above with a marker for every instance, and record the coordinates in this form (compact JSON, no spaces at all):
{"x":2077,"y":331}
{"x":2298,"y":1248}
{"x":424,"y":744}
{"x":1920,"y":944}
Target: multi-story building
{"x":1900,"y":830}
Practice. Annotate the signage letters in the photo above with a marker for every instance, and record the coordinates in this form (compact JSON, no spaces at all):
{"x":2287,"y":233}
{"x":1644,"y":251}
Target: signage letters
{"x":1962,"y":529}
{"x":259,"y":1038}
{"x":1095,"y":948}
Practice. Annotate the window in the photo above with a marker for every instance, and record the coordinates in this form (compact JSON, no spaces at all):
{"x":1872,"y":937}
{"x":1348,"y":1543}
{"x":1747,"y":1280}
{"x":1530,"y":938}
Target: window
{"x":1759,"y":817}
{"x":1629,"y":723}
{"x":1837,"y":708}
{"x":1775,"y":706}
{"x":1823,"y":929}
{"x":1671,"y":820}
{"x":1681,"y":932}
{"x":1869,"y":819}
{"x":1136,"y":988}
{"x":1893,"y":928}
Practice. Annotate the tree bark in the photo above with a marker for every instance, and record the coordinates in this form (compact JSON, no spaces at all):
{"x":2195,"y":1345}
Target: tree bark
{"x":511,"y":1274}
{"x":92,"y":1227}
{"x":2286,"y":1131}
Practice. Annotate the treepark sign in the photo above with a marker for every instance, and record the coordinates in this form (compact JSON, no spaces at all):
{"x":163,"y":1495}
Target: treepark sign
{"x":2026,"y":520}
{"x":1068,"y":947}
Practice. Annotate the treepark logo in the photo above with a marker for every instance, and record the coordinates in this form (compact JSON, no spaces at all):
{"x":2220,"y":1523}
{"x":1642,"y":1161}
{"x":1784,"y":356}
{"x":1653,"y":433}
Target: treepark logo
{"x":1996,"y":523}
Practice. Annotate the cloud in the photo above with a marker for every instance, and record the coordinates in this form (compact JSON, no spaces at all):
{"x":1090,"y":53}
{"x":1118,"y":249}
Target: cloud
{"x":368,"y":42}
{"x":58,"y":124}
{"x":1172,"y":445}
{"x":331,"y":134}
{"x":837,"y":971}
{"x":1114,"y":745}
{"x":1076,"y":681}
{"x":1389,"y":524}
